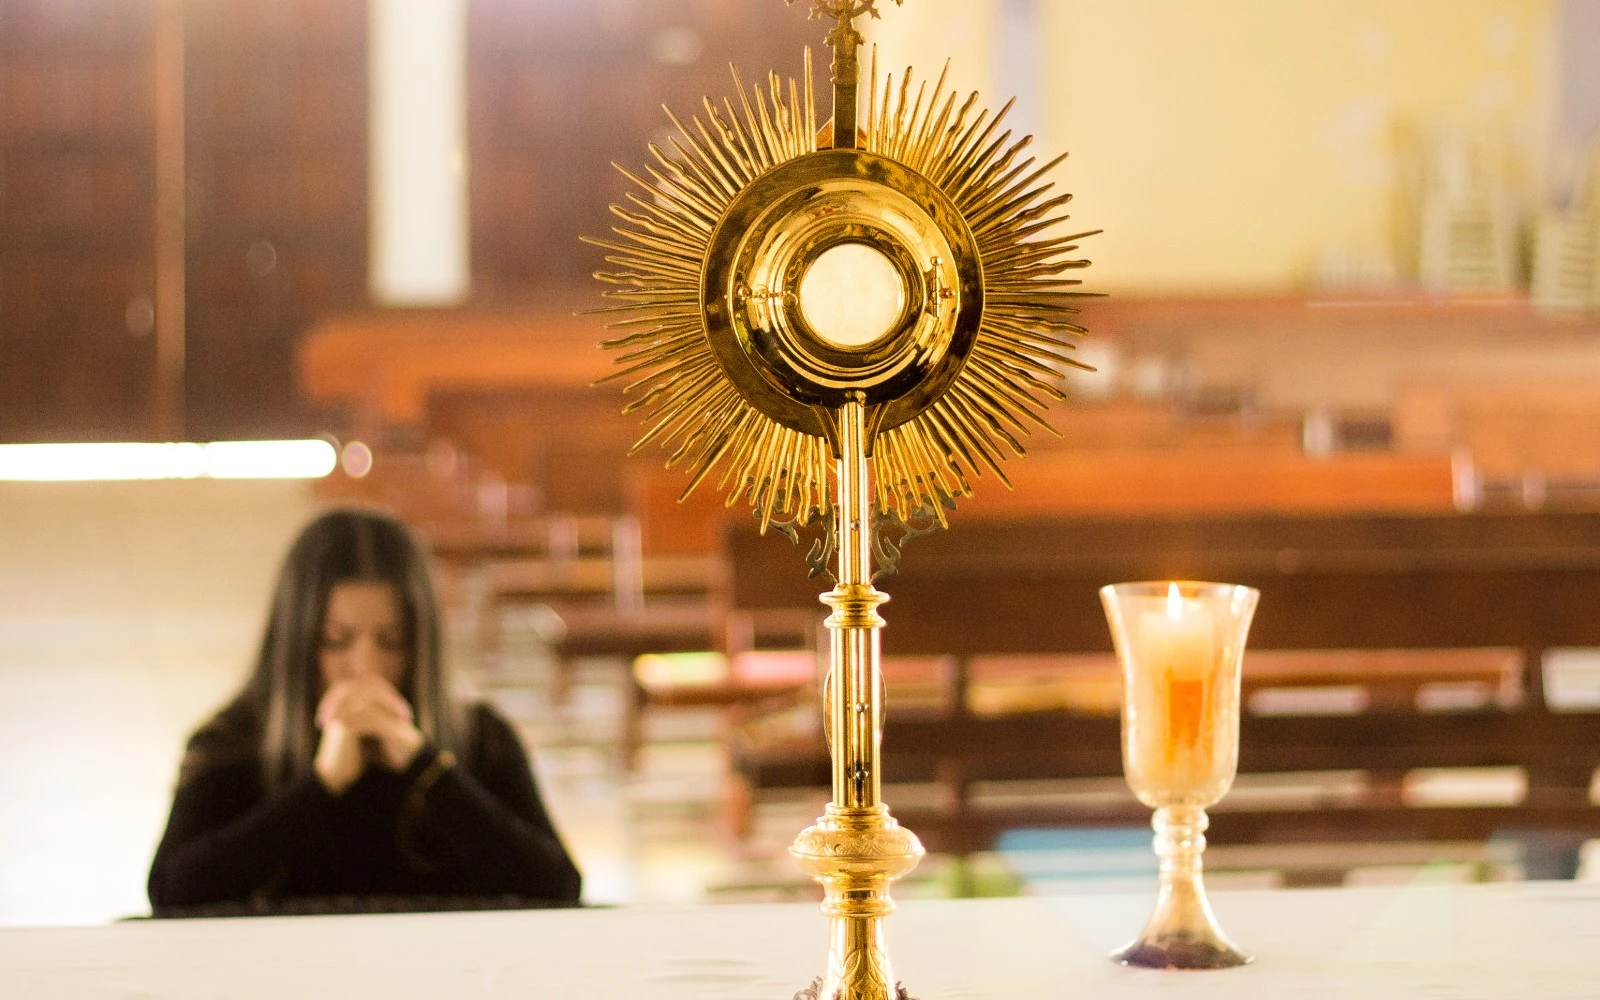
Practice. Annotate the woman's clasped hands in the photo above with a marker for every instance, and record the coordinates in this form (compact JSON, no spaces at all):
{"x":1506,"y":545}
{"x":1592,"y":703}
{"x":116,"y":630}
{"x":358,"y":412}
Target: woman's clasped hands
{"x":363,"y":720}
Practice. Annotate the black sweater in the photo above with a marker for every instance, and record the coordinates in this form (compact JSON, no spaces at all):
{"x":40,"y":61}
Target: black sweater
{"x":439,"y":829}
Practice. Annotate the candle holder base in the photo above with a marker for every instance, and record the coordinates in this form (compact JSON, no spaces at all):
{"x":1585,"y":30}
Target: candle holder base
{"x":1182,"y":933}
{"x":814,"y":992}
{"x":1183,"y":950}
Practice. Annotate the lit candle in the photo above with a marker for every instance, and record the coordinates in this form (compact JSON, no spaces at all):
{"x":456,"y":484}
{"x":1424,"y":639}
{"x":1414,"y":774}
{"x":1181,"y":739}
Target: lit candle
{"x":1176,"y":649}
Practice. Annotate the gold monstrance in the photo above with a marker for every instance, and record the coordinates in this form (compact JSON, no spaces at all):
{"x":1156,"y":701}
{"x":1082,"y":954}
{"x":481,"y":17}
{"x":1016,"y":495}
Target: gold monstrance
{"x":882,"y":298}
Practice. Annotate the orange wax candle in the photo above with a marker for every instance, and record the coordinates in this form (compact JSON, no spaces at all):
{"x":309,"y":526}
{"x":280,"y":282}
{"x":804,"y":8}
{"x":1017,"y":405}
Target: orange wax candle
{"x":1177,"y":651}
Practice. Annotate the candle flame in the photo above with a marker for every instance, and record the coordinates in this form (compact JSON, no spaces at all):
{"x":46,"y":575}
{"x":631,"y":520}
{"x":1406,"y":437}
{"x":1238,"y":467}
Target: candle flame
{"x":1174,"y":603}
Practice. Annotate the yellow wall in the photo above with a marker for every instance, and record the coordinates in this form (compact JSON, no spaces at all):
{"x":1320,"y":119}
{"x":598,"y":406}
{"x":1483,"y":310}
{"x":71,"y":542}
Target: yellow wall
{"x":1250,"y":145}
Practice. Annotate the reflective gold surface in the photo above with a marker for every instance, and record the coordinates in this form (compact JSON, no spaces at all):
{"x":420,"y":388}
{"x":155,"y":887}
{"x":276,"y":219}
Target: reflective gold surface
{"x":950,"y":376}
{"x":713,"y":344}
{"x":856,"y":849}
{"x":771,"y":234}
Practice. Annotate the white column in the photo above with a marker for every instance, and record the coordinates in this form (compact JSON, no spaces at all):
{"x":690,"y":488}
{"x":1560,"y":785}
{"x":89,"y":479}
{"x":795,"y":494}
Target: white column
{"x":925,"y":33}
{"x":1020,"y":63}
{"x":418,"y":153}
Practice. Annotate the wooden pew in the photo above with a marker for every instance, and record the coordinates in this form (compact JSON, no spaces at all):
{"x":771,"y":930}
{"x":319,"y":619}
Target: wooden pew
{"x":1311,"y":681}
{"x":1029,"y":585}
{"x":472,"y":540}
{"x":383,"y":366}
{"x":992,"y":590}
{"x":653,"y":581}
{"x":746,"y":683}
{"x":1509,"y":424}
{"x":1037,"y":718}
{"x":1536,"y":441}
{"x":610,"y":600}
{"x":567,"y":444}
{"x":1216,"y":478}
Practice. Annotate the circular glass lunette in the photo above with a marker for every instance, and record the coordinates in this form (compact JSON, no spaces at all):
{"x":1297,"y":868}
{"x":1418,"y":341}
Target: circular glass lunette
{"x":790,"y":385}
{"x":852,"y":296}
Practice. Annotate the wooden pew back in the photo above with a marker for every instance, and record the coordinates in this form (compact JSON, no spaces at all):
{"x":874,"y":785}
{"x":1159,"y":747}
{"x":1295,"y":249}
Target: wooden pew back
{"x":1384,"y":644}
{"x":1286,"y":682}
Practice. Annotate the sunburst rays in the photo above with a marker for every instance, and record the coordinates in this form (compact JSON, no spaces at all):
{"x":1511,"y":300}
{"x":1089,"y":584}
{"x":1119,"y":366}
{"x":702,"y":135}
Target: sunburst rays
{"x":694,"y":410}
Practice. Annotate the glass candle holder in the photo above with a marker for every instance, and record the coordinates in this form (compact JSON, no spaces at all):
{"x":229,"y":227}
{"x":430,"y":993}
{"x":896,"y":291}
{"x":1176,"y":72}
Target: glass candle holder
{"x":1180,"y":645}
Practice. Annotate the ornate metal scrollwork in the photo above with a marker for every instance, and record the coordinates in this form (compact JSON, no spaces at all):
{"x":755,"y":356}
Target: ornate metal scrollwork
{"x":890,"y":533}
{"x":824,"y":548}
{"x":923,"y":520}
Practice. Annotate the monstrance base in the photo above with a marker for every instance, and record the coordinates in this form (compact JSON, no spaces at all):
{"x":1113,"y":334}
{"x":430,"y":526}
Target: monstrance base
{"x":814,"y":992}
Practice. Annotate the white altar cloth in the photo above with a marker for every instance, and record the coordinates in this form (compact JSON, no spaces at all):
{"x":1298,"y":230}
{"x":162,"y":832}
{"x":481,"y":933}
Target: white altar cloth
{"x":1514,"y":941}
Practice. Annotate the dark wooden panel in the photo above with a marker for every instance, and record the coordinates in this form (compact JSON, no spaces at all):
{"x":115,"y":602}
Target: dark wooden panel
{"x":77,"y":194}
{"x":76,"y":26}
{"x":251,"y":26}
{"x":276,"y":200}
{"x":68,"y":91}
{"x":74,"y":388}
{"x":278,"y":96}
{"x":560,"y":90}
{"x":77,"y":185}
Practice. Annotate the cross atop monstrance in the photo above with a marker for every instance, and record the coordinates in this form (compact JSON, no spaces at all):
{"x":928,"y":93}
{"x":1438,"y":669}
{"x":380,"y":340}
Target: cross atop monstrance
{"x":844,"y":39}
{"x":850,"y":331}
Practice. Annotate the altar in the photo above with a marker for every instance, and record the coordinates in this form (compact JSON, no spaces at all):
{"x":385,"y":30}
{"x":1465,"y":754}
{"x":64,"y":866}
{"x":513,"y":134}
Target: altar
{"x":1510,"y":940}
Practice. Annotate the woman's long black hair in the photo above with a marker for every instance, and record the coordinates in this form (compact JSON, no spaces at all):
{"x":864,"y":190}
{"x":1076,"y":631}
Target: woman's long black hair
{"x":276,"y":708}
